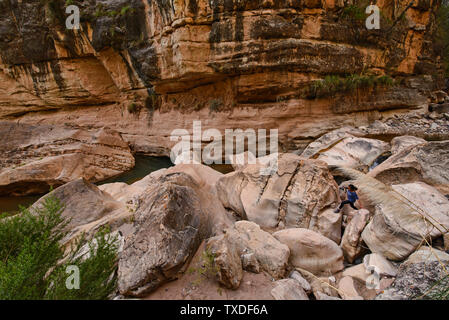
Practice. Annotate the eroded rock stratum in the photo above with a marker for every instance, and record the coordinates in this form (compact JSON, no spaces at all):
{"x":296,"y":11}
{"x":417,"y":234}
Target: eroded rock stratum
{"x":144,"y":68}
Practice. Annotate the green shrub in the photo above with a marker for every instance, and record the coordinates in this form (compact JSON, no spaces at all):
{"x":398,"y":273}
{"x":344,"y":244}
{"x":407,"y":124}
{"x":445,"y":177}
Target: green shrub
{"x":124,"y":10}
{"x":333,"y":84}
{"x":101,"y":12}
{"x":151,"y":102}
{"x":132,"y":108}
{"x":31,"y":255}
{"x":353,"y":12}
{"x":442,"y":35}
{"x":215,"y":105}
{"x":97,"y":270}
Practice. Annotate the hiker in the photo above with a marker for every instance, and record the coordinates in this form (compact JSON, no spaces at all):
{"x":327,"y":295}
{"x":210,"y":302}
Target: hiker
{"x":352,"y":197}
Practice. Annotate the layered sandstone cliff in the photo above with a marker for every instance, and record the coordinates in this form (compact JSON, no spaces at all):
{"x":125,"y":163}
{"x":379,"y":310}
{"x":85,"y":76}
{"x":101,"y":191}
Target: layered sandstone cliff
{"x":145,"y":68}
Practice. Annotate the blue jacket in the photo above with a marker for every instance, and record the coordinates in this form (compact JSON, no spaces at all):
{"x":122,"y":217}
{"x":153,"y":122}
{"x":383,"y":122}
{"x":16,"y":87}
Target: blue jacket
{"x":352,"y":196}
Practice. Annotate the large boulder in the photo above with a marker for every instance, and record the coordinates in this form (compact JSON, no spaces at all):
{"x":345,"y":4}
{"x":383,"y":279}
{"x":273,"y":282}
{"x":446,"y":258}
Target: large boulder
{"x":169,"y":226}
{"x":268,"y":253}
{"x":427,"y":254}
{"x":347,"y":289}
{"x":403,"y":142}
{"x":353,"y":152}
{"x":34,"y":158}
{"x":299,"y":194}
{"x":171,"y":220}
{"x":351,"y":242}
{"x":226,"y":260}
{"x":204,"y":180}
{"x":422,"y":276}
{"x":328,"y":140}
{"x":426,"y":162}
{"x":88,"y":208}
{"x":395,"y":234}
{"x":311,"y":251}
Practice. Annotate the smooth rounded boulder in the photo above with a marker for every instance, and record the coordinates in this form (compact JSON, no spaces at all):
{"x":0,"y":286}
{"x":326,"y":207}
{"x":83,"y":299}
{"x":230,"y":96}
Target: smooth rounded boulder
{"x":88,"y":208}
{"x":351,"y":242}
{"x":311,"y":251}
{"x":300,"y":193}
{"x":174,"y":214}
{"x":397,"y":232}
{"x":426,"y":162}
{"x":354,"y":152}
{"x":403,"y":142}
{"x":259,"y":249}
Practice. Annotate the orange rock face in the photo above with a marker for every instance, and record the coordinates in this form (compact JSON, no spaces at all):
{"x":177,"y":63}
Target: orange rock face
{"x":34,"y":158}
{"x":145,"y":68}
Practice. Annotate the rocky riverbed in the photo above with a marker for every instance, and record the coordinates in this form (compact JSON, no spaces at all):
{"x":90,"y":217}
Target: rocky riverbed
{"x":277,"y":236}
{"x":350,"y":106}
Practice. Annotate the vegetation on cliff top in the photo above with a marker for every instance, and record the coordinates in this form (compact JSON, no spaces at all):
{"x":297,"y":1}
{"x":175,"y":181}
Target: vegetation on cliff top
{"x":31,"y":258}
{"x":333,"y":84}
{"x":442,"y":35}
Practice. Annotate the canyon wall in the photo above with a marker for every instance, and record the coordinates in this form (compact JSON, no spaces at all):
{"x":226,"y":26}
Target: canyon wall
{"x":146,"y":67}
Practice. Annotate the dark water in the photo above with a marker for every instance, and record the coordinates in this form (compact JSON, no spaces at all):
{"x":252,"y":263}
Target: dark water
{"x":144,"y":166}
{"x":380,"y":160}
{"x":11,"y":204}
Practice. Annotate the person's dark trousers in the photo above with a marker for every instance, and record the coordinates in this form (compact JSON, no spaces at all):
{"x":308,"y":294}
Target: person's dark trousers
{"x":347,"y":202}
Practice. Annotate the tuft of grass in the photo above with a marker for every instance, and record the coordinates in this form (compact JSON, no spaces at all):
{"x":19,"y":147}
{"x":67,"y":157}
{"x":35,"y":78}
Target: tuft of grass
{"x":207,"y":270}
{"x":132,"y":108}
{"x":437,"y":291}
{"x":215,"y":105}
{"x":124,"y":10}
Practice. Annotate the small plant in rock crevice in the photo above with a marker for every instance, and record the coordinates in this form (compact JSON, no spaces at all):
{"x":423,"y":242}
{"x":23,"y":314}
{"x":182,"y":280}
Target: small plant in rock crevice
{"x":215,"y":105}
{"x":207,"y":268}
{"x":133,"y":108}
